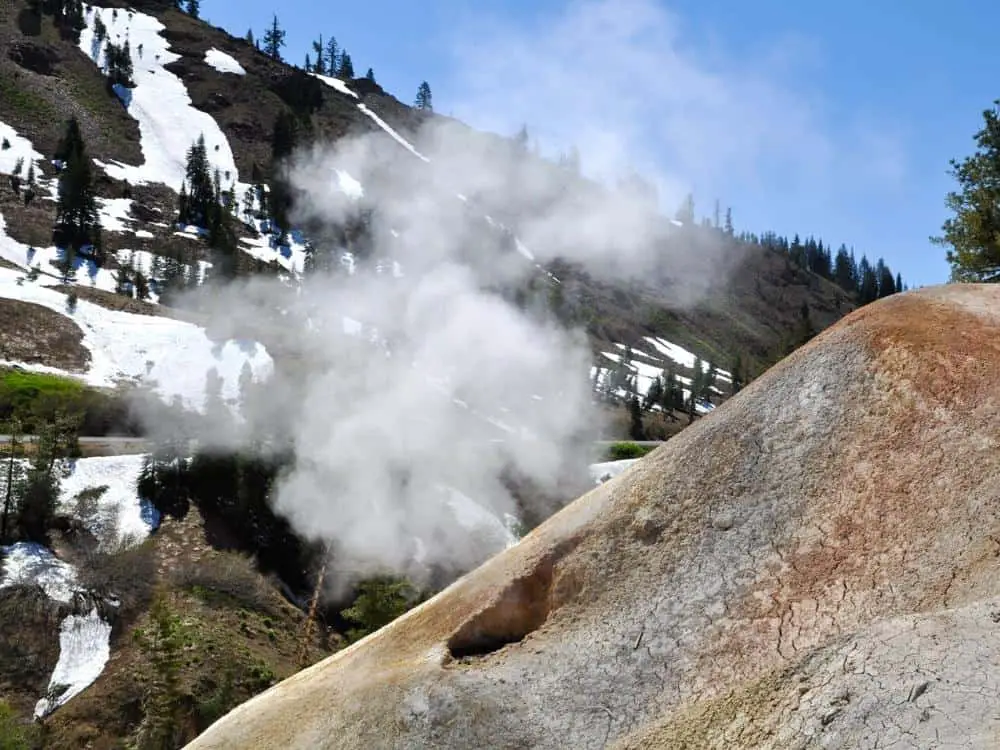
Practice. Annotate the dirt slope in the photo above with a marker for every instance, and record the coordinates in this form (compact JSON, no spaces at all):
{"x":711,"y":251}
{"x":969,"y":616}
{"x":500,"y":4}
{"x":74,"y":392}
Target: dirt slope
{"x":828,"y":539}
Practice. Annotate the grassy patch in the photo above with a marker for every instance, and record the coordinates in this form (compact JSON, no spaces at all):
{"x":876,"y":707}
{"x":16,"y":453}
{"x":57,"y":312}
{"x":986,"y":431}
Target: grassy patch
{"x":35,"y":398}
{"x":25,"y":102}
{"x":625,"y":450}
{"x":36,"y":393}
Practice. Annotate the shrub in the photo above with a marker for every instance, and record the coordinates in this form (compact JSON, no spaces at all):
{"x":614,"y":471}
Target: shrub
{"x":126,"y":572}
{"x":626,"y":450}
{"x":226,"y":576}
{"x":379,"y":601}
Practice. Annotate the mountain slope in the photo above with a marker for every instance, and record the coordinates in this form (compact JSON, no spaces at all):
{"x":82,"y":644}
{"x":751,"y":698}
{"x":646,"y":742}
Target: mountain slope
{"x":828,"y":521}
{"x":750,"y":312}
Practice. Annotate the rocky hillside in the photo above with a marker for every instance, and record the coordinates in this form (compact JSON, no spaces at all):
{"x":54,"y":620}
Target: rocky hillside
{"x":752,"y":310}
{"x":812,"y":565}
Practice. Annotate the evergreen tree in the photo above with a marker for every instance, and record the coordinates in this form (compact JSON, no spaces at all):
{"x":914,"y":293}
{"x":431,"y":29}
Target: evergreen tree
{"x":274,"y":40}
{"x":867,"y":282}
{"x":13,"y":476}
{"x":332,"y":57}
{"x":346,"y":68}
{"x":424,"y":98}
{"x":636,"y":431}
{"x":320,"y":67}
{"x":729,"y":222}
{"x":685,"y":214}
{"x":886,"y":281}
{"x":737,"y":374}
{"x":843,"y":270}
{"x":972,"y":235}
{"x":308,"y":66}
{"x":193,"y":7}
{"x":899,"y":283}
{"x":77,"y":225}
{"x":283,"y":142}
{"x":199,"y":197}
{"x":370,"y":75}
{"x":249,"y":38}
{"x":521,"y":139}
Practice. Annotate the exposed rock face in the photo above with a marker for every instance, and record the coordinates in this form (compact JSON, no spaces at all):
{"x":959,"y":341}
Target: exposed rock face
{"x":815,"y":564}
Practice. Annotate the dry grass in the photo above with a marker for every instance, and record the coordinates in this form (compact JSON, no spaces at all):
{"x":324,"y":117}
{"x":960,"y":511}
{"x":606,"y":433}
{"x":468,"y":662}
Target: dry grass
{"x":37,"y":335}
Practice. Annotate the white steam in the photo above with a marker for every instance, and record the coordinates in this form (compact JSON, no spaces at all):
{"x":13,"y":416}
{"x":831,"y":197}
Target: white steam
{"x":459,"y":378}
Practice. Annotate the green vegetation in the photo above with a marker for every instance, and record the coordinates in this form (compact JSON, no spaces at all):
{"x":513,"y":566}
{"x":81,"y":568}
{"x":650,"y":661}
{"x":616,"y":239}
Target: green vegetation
{"x":14,"y":734}
{"x":25,"y":102}
{"x":379,"y":601}
{"x":625,"y":450}
{"x":36,"y":396}
{"x":973,"y":233}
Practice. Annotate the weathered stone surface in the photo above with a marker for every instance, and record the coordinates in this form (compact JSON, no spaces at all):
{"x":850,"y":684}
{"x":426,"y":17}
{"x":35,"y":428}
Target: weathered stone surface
{"x":815,"y":564}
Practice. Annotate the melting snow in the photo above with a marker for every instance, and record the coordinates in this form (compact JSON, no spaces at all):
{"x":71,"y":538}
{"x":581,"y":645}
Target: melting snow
{"x":336,"y":83}
{"x":119,"y":509}
{"x":174,"y":355}
{"x":18,"y":148}
{"x":168,"y":122}
{"x":223,"y":62}
{"x":84,"y":649}
{"x":398,"y":138}
{"x":115,"y":215}
{"x":607,"y":470}
{"x":28,"y":562}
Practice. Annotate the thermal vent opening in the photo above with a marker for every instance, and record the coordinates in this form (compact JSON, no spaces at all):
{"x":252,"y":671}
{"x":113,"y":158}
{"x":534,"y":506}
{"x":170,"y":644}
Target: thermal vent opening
{"x":520,"y":610}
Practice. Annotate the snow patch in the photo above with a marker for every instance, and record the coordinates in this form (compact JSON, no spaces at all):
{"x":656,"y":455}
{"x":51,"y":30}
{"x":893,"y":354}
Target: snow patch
{"x":337,"y":84}
{"x":172,"y":356}
{"x":607,"y":470}
{"x":224,"y":63}
{"x":119,"y":509}
{"x":168,"y":122}
{"x":84,"y":649}
{"x":26,"y":563}
{"x":396,"y":136}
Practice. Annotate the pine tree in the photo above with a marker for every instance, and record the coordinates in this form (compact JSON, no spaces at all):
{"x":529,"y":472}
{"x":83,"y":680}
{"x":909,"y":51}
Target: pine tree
{"x":685,"y":214}
{"x":521,"y":139}
{"x":332,"y":57}
{"x":972,"y":235}
{"x":736,"y":373}
{"x":14,"y":477}
{"x":274,"y":40}
{"x":370,"y":75}
{"x":193,"y":7}
{"x":636,"y":431}
{"x":867,"y":282}
{"x":199,"y":197}
{"x":424,"y":99}
{"x":308,"y":66}
{"x":249,"y":38}
{"x":320,"y":67}
{"x":729,"y":222}
{"x":346,"y":68}
{"x":886,"y":281}
{"x":899,"y":283}
{"x":77,"y":225}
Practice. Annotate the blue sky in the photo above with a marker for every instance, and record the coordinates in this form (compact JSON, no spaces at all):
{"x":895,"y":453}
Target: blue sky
{"x":833,"y":119}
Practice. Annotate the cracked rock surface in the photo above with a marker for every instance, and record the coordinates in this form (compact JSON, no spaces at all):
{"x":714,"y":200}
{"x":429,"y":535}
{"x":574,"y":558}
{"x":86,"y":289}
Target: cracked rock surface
{"x":816,"y":564}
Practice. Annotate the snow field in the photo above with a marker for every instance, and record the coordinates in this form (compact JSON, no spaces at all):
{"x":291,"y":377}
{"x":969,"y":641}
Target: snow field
{"x":168,"y":122}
